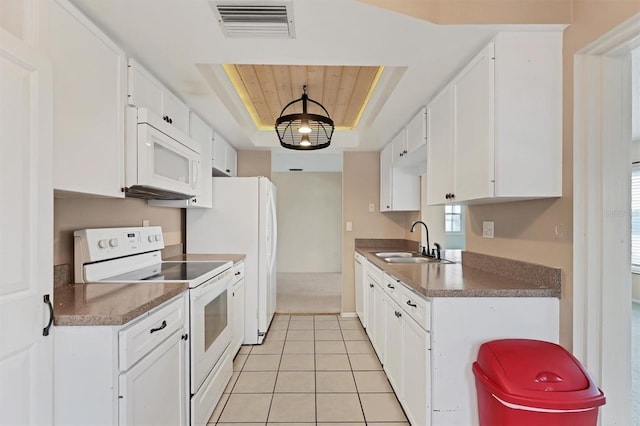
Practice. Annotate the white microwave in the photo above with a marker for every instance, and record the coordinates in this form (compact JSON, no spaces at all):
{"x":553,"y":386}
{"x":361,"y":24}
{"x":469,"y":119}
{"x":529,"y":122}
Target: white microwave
{"x":161,"y":162}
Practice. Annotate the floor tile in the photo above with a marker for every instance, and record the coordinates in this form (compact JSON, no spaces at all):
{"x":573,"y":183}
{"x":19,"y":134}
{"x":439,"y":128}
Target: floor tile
{"x":276,"y":335}
{"x":232,"y":382}
{"x":268,"y":348}
{"x":351,"y":325}
{"x":239,"y":362}
{"x":381,"y":407}
{"x":245,"y":350}
{"x":338,"y":407}
{"x":332,"y":362}
{"x":364,"y":362}
{"x":240,"y":424}
{"x":300,"y":335}
{"x":342,"y":424}
{"x":291,"y":407}
{"x":292,"y":424}
{"x":327,"y":325}
{"x":372,"y":381}
{"x":298,"y":347}
{"x":281,"y":317}
{"x":246,"y":408}
{"x":297,"y":363}
{"x":330,"y":347}
{"x":328,"y":335}
{"x":325,"y":318}
{"x":359,"y":347}
{"x":218,"y":410}
{"x":301,"y":325}
{"x":262,"y":363}
{"x":295,"y":318}
{"x":295,"y":382}
{"x":255,"y":382}
{"x":335,"y":382}
{"x":354,"y":335}
{"x":279,"y":325}
{"x":383,"y":424}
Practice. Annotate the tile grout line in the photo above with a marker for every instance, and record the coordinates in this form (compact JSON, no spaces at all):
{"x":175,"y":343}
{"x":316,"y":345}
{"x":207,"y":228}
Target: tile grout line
{"x":275,"y":383}
{"x":355,"y":383}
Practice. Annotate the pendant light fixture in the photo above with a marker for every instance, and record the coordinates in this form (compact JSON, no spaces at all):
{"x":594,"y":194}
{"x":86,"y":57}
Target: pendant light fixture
{"x":303,"y":130}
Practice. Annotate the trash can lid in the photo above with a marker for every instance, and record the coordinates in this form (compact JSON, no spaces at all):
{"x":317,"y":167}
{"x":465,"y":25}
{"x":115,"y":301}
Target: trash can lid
{"x":524,"y":371}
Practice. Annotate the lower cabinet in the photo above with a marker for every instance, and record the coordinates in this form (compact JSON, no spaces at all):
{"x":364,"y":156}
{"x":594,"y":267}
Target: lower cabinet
{"x":416,"y":372}
{"x":238,"y":304}
{"x":133,"y":374}
{"x":393,"y":354}
{"x":379,"y":318}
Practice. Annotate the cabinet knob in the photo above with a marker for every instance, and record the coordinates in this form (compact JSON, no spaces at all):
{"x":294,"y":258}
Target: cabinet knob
{"x":390,"y":286}
{"x":170,"y":120}
{"x":185,"y":336}
{"x":388,"y":206}
{"x":228,"y":171}
{"x":404,"y":152}
{"x":370,"y":285}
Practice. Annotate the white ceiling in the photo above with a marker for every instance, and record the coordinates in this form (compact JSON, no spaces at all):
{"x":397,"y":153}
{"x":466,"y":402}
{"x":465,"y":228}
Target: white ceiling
{"x":181,"y":43}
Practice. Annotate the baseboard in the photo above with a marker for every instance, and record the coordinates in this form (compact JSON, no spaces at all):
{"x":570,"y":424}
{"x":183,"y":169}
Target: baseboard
{"x":349,"y":315}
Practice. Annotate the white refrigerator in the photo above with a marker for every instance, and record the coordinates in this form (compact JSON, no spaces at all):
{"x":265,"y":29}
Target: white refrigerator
{"x":242,"y":220}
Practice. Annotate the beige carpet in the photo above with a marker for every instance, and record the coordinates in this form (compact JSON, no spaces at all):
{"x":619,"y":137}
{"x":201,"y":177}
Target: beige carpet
{"x":309,"y":293}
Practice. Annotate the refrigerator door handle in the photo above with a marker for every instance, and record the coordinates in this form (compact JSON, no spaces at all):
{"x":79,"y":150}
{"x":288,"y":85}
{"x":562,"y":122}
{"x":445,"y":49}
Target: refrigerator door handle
{"x":274,"y":230}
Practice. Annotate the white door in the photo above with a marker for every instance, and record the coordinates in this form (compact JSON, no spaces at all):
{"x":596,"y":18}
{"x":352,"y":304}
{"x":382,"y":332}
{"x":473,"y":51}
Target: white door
{"x":26,"y":226}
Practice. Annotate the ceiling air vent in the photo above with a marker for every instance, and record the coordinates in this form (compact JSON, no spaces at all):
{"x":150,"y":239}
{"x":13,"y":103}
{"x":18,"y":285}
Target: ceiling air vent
{"x":270,"y":20}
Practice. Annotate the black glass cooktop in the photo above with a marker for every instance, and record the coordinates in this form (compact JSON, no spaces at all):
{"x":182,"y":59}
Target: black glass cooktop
{"x":171,"y":271}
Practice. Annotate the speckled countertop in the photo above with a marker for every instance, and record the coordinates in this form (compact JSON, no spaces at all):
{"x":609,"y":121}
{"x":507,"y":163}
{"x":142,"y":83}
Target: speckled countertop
{"x":487,"y":277}
{"x":114,"y":304}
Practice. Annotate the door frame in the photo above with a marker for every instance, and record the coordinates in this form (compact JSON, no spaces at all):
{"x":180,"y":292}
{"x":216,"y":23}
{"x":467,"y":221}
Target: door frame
{"x":602,"y":215}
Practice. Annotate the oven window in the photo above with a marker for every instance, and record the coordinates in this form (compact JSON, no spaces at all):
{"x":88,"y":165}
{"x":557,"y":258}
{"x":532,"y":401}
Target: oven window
{"x":215,"y":319}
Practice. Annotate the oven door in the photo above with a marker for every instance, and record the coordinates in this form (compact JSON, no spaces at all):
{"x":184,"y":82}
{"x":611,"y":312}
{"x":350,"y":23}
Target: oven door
{"x":210,"y":325}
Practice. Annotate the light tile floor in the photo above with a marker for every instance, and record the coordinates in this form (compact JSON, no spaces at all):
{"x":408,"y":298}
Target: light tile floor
{"x":311,"y":370}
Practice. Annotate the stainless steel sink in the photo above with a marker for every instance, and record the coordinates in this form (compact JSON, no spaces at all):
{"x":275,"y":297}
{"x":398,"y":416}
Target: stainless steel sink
{"x":415,"y":260}
{"x":400,"y":254}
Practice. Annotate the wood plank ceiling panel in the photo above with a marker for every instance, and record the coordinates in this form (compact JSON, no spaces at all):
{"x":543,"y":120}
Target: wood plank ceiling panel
{"x":266,"y":89}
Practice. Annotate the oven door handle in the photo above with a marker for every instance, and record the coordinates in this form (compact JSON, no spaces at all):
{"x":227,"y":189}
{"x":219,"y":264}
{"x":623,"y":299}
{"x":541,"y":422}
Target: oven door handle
{"x":213,"y":285}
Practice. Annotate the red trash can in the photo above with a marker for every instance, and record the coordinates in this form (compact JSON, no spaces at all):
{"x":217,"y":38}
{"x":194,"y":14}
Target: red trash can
{"x":523,"y":382}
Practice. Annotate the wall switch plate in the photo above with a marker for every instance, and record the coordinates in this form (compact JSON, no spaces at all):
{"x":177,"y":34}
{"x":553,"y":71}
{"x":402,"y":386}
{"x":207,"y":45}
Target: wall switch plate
{"x":349,"y":226}
{"x":372,"y":208}
{"x":487,"y":229}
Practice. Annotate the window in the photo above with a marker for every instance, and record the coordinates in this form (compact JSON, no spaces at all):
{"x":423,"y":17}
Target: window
{"x":635,"y":217}
{"x":453,"y":216}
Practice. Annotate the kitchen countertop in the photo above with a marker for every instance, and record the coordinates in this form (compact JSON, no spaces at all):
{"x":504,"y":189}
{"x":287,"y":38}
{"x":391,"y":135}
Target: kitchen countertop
{"x":112,"y":304}
{"x":458,"y":280}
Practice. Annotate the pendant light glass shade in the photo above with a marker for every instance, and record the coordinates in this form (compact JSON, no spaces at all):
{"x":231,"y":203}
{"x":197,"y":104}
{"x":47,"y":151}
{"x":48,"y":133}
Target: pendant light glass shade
{"x":302,"y":130}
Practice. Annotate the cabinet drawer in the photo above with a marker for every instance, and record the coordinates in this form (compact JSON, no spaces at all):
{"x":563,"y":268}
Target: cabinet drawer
{"x":375,"y":274}
{"x":238,"y":272}
{"x":139,"y":338}
{"x":394,"y":288}
{"x":417,"y":307}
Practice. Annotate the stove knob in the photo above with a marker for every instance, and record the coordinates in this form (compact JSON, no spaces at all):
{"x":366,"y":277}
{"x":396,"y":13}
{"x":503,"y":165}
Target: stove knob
{"x":158,"y":237}
{"x":113,"y":242}
{"x":150,"y":238}
{"x":103,"y":243}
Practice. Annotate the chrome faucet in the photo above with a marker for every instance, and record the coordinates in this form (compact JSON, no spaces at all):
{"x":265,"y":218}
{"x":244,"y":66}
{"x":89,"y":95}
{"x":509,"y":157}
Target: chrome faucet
{"x":425,"y":250}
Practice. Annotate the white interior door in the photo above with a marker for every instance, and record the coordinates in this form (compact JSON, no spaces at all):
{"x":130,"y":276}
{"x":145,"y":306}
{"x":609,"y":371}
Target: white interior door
{"x":26,"y":226}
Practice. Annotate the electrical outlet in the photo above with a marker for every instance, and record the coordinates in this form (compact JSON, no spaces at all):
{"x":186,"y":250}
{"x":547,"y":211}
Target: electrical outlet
{"x":145,"y":222}
{"x":372,"y":208}
{"x":487,"y":229}
{"x":349,"y":226}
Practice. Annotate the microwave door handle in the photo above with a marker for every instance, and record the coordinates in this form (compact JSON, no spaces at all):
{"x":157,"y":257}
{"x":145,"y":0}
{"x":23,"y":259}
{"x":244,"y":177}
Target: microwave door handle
{"x":196,"y":173}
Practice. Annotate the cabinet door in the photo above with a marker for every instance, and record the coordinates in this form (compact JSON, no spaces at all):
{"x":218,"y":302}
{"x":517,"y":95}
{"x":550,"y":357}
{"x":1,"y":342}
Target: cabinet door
{"x":176,"y":110}
{"x":399,"y":147}
{"x":369,"y":308}
{"x":441,"y":148}
{"x":145,"y":91}
{"x":417,"y":132}
{"x":89,"y":97}
{"x":416,"y":372}
{"x":200,"y":131}
{"x":393,"y":345}
{"x":379,"y":341}
{"x":154,"y":391}
{"x":219,"y":153}
{"x":385,"y":178}
{"x":231,"y":159}
{"x":474,"y":124}
{"x":238,"y":315}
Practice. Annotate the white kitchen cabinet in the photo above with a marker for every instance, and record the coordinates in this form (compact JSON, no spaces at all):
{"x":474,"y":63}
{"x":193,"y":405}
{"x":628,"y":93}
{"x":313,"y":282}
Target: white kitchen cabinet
{"x":398,"y":147}
{"x":379,"y":318}
{"x":393,"y":343}
{"x":416,"y":372}
{"x":441,"y":165}
{"x":89,"y":95}
{"x":359,"y":284}
{"x":126,"y":374}
{"x":146,"y":91}
{"x":507,"y":122}
{"x":416,"y":131}
{"x":238,"y":303}
{"x":399,"y":187}
{"x":368,"y":304}
{"x":225,"y":157}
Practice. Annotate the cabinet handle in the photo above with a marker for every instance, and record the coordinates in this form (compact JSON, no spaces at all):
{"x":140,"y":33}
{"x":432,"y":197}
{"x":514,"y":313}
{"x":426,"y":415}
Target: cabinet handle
{"x":398,"y":314}
{"x":413,"y":305}
{"x":388,"y":206}
{"x":228,"y":171}
{"x":170,"y":120}
{"x":47,"y":300}
{"x":163,"y":325}
{"x":404,"y":152}
{"x":237,"y":273}
{"x":370,"y":285}
{"x":390,"y":286}
{"x":194,"y":201}
{"x":185,"y":336}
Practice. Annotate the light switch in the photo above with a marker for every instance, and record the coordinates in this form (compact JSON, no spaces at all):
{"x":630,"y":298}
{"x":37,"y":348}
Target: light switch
{"x":349,"y":226}
{"x":487,"y":229}
{"x":372,"y":208}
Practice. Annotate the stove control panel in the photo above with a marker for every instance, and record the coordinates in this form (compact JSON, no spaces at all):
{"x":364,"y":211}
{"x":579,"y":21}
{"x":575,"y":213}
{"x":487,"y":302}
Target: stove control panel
{"x":92,"y":245}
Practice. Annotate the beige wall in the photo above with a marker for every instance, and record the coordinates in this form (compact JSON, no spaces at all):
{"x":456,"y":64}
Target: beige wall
{"x":71,"y":214}
{"x":309,"y":221}
{"x":254,"y":163}
{"x":361,"y":186}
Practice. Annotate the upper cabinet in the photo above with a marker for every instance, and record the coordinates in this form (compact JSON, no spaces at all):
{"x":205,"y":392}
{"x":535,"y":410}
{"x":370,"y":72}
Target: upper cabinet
{"x":225,"y":157}
{"x":146,"y":91}
{"x":505,"y":126}
{"x":398,"y":147}
{"x":399,"y":187}
{"x":90,"y":88}
{"x":416,"y":131}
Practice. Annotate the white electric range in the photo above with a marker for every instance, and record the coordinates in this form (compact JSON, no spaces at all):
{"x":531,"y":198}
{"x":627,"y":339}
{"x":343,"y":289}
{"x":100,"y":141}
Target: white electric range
{"x":132,"y":255}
